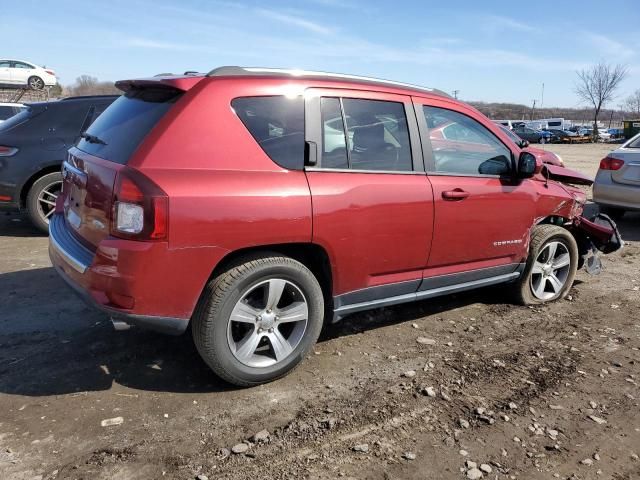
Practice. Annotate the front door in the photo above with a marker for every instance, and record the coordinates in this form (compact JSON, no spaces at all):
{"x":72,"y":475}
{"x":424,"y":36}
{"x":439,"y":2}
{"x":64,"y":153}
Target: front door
{"x":5,"y":72}
{"x":372,"y":202}
{"x":482,"y":216}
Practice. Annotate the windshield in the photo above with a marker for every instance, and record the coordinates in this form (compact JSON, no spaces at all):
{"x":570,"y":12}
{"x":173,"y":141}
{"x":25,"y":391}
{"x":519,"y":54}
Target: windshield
{"x":122,"y":127}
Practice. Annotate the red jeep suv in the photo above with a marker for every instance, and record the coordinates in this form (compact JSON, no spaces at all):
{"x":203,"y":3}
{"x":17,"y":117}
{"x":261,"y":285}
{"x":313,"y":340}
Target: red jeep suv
{"x":256,"y":203}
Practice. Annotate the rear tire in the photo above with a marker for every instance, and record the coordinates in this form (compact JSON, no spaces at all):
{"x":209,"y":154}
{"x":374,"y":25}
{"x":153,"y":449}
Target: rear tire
{"x":551,"y":266}
{"x":256,"y":321}
{"x":35,"y":83}
{"x":41,"y":200}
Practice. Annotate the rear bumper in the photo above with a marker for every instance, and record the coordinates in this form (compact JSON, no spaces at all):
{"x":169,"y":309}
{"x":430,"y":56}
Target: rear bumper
{"x":607,"y":192}
{"x":102,"y":285}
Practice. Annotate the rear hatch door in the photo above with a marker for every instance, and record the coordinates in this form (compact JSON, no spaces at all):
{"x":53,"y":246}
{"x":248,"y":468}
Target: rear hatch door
{"x":105,"y":148}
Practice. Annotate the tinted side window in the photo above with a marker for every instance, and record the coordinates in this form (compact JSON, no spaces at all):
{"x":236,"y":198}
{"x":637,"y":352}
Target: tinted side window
{"x":378,"y":135}
{"x":334,"y":145}
{"x":6,"y":112}
{"x":277,"y":124}
{"x":471,"y":149}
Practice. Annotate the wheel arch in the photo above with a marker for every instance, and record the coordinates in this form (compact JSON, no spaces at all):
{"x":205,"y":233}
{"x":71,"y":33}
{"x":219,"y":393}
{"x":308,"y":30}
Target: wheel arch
{"x":582,"y":240}
{"x":311,"y":255}
{"x":24,"y":191}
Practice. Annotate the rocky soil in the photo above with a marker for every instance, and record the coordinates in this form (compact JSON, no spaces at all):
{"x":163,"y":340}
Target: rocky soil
{"x":464,"y":386}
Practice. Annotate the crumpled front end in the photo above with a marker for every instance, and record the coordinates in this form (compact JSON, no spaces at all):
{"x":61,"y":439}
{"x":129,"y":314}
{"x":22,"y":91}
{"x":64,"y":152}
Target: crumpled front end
{"x":597,"y":235}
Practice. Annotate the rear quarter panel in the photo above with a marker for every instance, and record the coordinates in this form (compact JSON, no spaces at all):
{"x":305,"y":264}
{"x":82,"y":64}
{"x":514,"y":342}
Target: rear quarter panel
{"x":225,"y":193}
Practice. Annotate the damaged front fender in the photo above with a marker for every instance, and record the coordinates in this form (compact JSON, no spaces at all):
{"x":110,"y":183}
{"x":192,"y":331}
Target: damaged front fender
{"x":602,"y":231}
{"x":599,"y":234}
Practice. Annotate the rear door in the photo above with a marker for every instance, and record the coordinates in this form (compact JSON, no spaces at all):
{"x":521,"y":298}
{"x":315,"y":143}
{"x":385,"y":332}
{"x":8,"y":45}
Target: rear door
{"x":482,"y":216}
{"x":372,"y":202}
{"x":20,"y":72}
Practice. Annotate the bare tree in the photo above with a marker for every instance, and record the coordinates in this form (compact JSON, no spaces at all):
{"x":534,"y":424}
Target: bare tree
{"x":597,"y":85}
{"x":88,"y":85}
{"x":632,"y":103}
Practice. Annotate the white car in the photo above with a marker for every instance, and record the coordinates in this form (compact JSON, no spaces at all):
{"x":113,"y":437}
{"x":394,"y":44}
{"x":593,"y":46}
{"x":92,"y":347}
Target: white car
{"x":8,"y":110}
{"x":603,"y":134}
{"x":21,"y":73}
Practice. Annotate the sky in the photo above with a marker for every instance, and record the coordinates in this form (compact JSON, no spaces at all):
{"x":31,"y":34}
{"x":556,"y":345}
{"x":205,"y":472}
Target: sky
{"x":494,"y":51}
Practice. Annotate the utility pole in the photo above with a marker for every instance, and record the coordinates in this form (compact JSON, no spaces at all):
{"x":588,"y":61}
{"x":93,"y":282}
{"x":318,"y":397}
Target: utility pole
{"x":455,"y":94}
{"x":533,"y":108}
{"x":542,"y":97}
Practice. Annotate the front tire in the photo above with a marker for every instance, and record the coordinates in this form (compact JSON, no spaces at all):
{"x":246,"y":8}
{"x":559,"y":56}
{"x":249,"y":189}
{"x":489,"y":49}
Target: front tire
{"x":257,"y":320}
{"x":551,"y":266}
{"x":41,"y":200}
{"x":35,"y":83}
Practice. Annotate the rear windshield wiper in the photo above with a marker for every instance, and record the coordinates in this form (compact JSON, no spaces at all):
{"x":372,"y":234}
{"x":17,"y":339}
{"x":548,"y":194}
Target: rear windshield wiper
{"x":92,"y":138}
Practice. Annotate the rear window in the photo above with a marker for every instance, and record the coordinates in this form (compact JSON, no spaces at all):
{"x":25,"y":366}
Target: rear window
{"x":635,"y":143}
{"x":16,"y":119}
{"x":119,"y":130}
{"x":277,"y":124}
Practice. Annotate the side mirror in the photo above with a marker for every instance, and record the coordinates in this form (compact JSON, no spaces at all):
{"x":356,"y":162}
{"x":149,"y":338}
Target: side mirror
{"x":523,"y":144}
{"x":527,"y":165}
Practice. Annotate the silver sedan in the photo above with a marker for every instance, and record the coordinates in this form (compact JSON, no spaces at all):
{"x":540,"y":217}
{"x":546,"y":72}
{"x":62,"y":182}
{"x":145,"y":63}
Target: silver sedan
{"x":617,"y":185}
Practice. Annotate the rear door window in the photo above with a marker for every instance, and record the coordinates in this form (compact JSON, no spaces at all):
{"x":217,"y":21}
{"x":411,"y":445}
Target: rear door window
{"x":277,"y":125}
{"x":121,"y":128}
{"x":362,"y":134}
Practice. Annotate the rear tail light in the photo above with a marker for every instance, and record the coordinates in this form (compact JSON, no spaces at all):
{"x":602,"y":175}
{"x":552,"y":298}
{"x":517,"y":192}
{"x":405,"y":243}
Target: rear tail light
{"x":50,"y":72}
{"x":140,"y":208}
{"x":609,"y":163}
{"x":7,"y":151}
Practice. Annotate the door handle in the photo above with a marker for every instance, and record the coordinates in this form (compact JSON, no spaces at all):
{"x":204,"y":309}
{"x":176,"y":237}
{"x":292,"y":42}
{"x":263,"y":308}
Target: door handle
{"x":454,"y":195}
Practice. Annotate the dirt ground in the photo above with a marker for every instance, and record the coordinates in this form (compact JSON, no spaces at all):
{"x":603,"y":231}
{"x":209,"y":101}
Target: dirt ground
{"x":526,"y":393}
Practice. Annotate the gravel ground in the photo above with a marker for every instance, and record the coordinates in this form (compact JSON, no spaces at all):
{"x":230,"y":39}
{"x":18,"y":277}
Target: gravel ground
{"x":464,"y":386}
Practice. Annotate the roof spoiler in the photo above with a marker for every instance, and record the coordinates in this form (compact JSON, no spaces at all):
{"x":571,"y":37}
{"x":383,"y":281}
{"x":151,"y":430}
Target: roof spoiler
{"x":177,"y":83}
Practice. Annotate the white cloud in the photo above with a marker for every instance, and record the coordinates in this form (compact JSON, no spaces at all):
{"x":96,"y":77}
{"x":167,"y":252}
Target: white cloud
{"x":497,"y":23}
{"x":295,"y":21}
{"x":608,"y":46}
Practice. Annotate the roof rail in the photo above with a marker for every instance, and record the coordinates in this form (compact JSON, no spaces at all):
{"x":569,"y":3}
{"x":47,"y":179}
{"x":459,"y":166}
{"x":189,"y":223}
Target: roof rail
{"x":234,"y":71}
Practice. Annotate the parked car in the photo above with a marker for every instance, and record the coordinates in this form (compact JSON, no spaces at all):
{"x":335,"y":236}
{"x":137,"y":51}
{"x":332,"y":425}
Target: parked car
{"x":19,"y":72}
{"x":550,"y":137}
{"x":33,"y":145}
{"x":215,"y":200}
{"x":617,"y":185}
{"x":604,"y":135}
{"x":564,"y":135}
{"x":8,"y":110}
{"x":545,"y":156}
{"x":531,"y":135}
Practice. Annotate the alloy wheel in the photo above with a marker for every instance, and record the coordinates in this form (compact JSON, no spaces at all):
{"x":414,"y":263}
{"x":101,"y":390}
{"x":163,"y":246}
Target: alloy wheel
{"x":267,"y":323}
{"x":47,"y":200}
{"x":550,"y":271}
